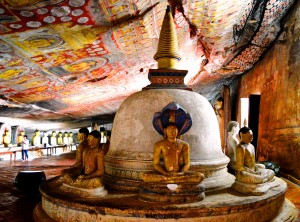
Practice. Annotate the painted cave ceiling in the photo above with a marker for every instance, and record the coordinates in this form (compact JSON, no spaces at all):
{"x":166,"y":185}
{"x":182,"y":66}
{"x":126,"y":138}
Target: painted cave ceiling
{"x":70,"y":60}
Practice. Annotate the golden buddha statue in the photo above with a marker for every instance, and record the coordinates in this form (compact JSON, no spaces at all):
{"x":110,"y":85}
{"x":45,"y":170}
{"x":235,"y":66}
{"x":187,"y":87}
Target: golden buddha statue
{"x":88,"y":175}
{"x":176,"y":158}
{"x":53,"y":139}
{"x":7,"y":139}
{"x":251,"y":178}
{"x":172,"y":175}
{"x":60,"y":139}
{"x":36,"y":139}
{"x":20,"y":138}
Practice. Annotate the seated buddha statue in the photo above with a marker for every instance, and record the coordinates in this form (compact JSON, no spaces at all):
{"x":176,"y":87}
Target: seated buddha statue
{"x":251,"y":177}
{"x":88,"y":175}
{"x":232,"y":142}
{"x":171,"y":180}
{"x":83,"y":144}
{"x":175,"y":154}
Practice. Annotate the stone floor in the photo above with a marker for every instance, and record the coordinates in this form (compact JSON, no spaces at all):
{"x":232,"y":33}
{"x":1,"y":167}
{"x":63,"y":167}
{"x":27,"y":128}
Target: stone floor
{"x":18,"y":207}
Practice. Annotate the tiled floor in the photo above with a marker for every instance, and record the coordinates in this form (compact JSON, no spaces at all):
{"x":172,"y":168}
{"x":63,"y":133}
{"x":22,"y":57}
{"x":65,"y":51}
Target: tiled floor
{"x":17,"y":207}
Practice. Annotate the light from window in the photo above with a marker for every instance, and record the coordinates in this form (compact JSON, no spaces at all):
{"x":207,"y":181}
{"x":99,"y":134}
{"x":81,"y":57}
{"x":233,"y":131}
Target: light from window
{"x":244,"y":111}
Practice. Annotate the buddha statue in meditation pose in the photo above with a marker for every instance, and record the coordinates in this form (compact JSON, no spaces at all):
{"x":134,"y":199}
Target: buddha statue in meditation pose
{"x":171,"y":161}
{"x":88,"y":174}
{"x":232,"y":142}
{"x":175,"y":154}
{"x":82,"y":136}
{"x":251,"y":178}
{"x":172,"y":122}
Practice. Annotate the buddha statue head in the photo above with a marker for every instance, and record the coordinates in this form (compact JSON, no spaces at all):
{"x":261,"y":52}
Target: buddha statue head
{"x":233,"y":128}
{"x":94,"y":139}
{"x":246,"y":135}
{"x":82,"y":134}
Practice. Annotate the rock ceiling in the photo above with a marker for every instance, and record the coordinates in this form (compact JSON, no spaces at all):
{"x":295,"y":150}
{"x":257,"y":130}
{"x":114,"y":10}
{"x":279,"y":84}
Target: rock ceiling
{"x":78,"y":59}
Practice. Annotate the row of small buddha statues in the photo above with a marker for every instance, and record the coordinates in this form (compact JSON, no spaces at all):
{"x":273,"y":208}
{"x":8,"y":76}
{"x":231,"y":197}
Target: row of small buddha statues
{"x":54,"y":140}
{"x":37,"y":140}
{"x":171,"y":161}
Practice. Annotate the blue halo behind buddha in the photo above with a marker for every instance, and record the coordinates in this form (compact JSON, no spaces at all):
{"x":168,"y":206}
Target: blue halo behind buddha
{"x":173,"y":113}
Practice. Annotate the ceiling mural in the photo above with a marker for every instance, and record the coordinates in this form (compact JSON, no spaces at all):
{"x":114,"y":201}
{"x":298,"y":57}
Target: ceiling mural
{"x":70,"y":59}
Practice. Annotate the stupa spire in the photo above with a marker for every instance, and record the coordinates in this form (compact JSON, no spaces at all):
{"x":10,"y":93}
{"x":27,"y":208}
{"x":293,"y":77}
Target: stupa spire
{"x":167,"y":54}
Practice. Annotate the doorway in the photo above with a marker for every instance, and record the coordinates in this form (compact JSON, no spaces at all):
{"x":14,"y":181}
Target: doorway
{"x":254,"y":103}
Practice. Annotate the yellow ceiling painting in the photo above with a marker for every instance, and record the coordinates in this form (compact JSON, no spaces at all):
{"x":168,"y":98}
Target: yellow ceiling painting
{"x":68,"y":56}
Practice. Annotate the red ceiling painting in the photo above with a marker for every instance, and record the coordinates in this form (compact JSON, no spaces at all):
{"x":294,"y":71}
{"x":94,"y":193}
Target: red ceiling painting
{"x":82,"y":58}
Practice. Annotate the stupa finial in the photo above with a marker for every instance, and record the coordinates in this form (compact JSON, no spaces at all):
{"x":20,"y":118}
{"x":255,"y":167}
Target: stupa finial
{"x":167,"y":54}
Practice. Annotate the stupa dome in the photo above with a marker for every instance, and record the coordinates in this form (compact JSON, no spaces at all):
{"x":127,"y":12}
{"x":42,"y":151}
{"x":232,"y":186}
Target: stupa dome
{"x":133,"y":138}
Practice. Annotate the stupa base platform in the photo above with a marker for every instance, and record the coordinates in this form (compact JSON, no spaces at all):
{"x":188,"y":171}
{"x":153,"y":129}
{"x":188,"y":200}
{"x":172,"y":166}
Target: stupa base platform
{"x":61,"y":204}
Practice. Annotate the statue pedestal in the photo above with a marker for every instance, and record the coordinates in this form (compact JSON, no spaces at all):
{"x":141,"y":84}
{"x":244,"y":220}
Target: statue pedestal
{"x":61,"y":204}
{"x":96,"y":192}
{"x":171,"y":192}
{"x":254,"y":189}
{"x":185,"y":188}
